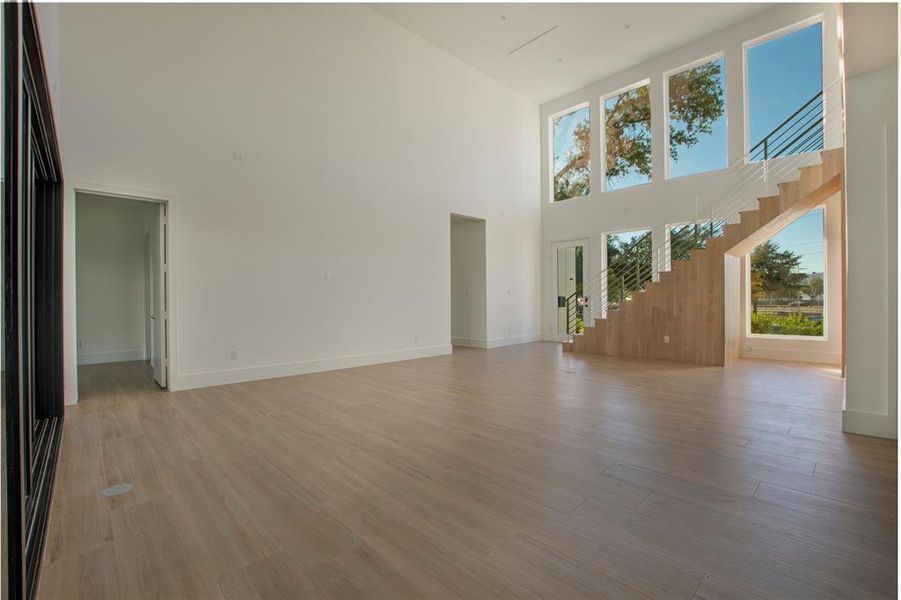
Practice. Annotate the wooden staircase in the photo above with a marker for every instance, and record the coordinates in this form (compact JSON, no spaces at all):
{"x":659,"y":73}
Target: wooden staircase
{"x":681,"y":317}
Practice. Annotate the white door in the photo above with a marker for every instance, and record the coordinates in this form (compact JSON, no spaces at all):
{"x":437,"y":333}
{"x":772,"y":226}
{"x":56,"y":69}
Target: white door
{"x":159,"y":359}
{"x":570,"y":267}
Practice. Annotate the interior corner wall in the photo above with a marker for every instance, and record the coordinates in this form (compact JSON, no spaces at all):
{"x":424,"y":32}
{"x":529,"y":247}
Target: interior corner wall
{"x":111,"y":270}
{"x":316,"y":152}
{"x":871,"y":393}
{"x":469,"y":325}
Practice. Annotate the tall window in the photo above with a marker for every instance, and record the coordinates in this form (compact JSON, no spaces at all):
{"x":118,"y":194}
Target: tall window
{"x":572,"y":142}
{"x":697,"y":119}
{"x":628,"y":264}
{"x":785,"y":76}
{"x":787,"y":279}
{"x":627,"y":138}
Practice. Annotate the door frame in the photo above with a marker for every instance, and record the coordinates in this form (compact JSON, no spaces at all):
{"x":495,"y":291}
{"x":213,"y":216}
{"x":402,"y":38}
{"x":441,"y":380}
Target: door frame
{"x":71,"y":337}
{"x":555,"y":335}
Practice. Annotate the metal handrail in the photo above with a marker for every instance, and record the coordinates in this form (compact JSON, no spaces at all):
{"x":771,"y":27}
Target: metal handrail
{"x":764,"y":141}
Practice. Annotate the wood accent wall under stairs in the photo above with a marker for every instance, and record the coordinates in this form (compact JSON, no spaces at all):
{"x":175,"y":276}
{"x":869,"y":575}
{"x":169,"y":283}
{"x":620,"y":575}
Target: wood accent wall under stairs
{"x":687,"y":303}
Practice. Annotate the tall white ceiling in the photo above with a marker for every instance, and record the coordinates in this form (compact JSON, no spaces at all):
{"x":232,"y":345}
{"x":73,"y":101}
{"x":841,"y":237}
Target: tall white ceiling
{"x":588,"y":41}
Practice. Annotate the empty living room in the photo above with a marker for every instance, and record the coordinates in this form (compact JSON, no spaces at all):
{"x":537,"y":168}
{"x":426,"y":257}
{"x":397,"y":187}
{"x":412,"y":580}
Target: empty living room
{"x":449,"y":301}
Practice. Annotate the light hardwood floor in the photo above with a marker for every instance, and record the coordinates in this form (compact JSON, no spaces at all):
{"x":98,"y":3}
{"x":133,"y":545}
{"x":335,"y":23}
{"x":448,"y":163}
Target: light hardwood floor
{"x":517,"y":472}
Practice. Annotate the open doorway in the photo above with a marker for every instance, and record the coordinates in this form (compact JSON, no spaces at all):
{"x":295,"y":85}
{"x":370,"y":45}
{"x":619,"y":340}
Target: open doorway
{"x":469,"y":318}
{"x":122,"y":291}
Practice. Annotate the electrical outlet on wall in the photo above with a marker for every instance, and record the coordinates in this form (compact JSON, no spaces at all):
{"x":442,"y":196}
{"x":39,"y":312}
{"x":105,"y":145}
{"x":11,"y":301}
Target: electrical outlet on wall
{"x":666,"y":339}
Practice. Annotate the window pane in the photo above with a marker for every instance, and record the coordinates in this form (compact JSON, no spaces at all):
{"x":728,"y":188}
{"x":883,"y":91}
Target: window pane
{"x":628,"y":264}
{"x":572,"y":140}
{"x":783,"y":75}
{"x":697,"y":119}
{"x":787,"y":279}
{"x":627,"y":138}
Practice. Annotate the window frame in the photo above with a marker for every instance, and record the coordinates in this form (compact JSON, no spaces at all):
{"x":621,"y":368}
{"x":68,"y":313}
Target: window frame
{"x":721,"y":54}
{"x":762,"y":39}
{"x":602,"y":113}
{"x":747,"y":294}
{"x":552,"y":150}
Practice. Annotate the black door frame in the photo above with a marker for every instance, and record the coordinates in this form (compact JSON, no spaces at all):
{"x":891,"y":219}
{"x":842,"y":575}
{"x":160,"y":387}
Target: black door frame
{"x":33,"y":403}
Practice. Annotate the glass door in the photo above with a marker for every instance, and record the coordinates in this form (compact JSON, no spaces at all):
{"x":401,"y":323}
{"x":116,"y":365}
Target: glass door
{"x":569,"y":270}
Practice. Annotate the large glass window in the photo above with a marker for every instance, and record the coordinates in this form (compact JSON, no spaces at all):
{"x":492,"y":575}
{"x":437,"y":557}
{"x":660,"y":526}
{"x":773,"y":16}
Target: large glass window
{"x":785,"y":83}
{"x":627,"y":138}
{"x":572,"y":143}
{"x":628,"y":264}
{"x":787,"y":279}
{"x":697,"y":119}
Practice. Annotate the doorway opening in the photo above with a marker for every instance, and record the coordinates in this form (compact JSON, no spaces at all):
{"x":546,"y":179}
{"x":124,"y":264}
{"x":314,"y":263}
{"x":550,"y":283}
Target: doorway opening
{"x":569,"y":275}
{"x":122,"y":291}
{"x":469,"y":306}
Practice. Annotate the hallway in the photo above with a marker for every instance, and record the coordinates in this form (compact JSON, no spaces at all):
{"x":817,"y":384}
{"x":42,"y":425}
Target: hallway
{"x":517,"y":472}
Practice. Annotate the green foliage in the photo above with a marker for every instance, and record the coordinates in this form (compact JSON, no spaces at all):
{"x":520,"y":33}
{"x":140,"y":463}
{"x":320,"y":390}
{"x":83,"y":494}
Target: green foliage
{"x":580,"y":325}
{"x":774,"y":273}
{"x":572,"y":179}
{"x":690,"y":237}
{"x":628,"y":134}
{"x":696,"y":101}
{"x":628,"y":266}
{"x":785,"y":325}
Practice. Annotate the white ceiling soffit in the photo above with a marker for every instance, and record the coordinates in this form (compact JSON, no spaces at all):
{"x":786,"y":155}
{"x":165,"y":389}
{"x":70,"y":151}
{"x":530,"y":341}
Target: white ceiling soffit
{"x":544,"y":51}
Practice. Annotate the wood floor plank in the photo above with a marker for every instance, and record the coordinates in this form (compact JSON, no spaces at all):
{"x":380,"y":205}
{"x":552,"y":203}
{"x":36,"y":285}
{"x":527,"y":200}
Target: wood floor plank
{"x":517,"y":472}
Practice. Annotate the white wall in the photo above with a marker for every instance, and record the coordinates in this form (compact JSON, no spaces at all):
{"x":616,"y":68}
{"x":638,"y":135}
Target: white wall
{"x":468,"y":283}
{"x":354,"y":140}
{"x":663,"y":202}
{"x":111,"y":268}
{"x":871,"y":393}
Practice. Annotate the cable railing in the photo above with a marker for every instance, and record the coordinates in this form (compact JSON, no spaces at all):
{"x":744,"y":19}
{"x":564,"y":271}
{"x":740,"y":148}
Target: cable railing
{"x":803,"y":132}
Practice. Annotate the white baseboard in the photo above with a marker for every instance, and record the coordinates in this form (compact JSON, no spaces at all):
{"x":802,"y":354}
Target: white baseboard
{"x":469,"y":342}
{"x":513,"y":339}
{"x":865,"y":423}
{"x":792,"y":355}
{"x":210,"y":378}
{"x":96,"y":358}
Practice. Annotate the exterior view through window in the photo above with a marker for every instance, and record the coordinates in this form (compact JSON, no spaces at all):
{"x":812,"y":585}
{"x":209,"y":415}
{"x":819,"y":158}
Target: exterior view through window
{"x":697,"y":119}
{"x":572,"y":142}
{"x":628,"y":264}
{"x":627,"y":138}
{"x":692,"y":236}
{"x":787,"y":279}
{"x":785,"y":84}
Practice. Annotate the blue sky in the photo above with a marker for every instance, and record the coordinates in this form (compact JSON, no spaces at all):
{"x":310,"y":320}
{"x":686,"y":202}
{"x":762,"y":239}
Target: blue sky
{"x":710,"y":151}
{"x":783,"y":74}
{"x":564,"y":126}
{"x":805,"y":238}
